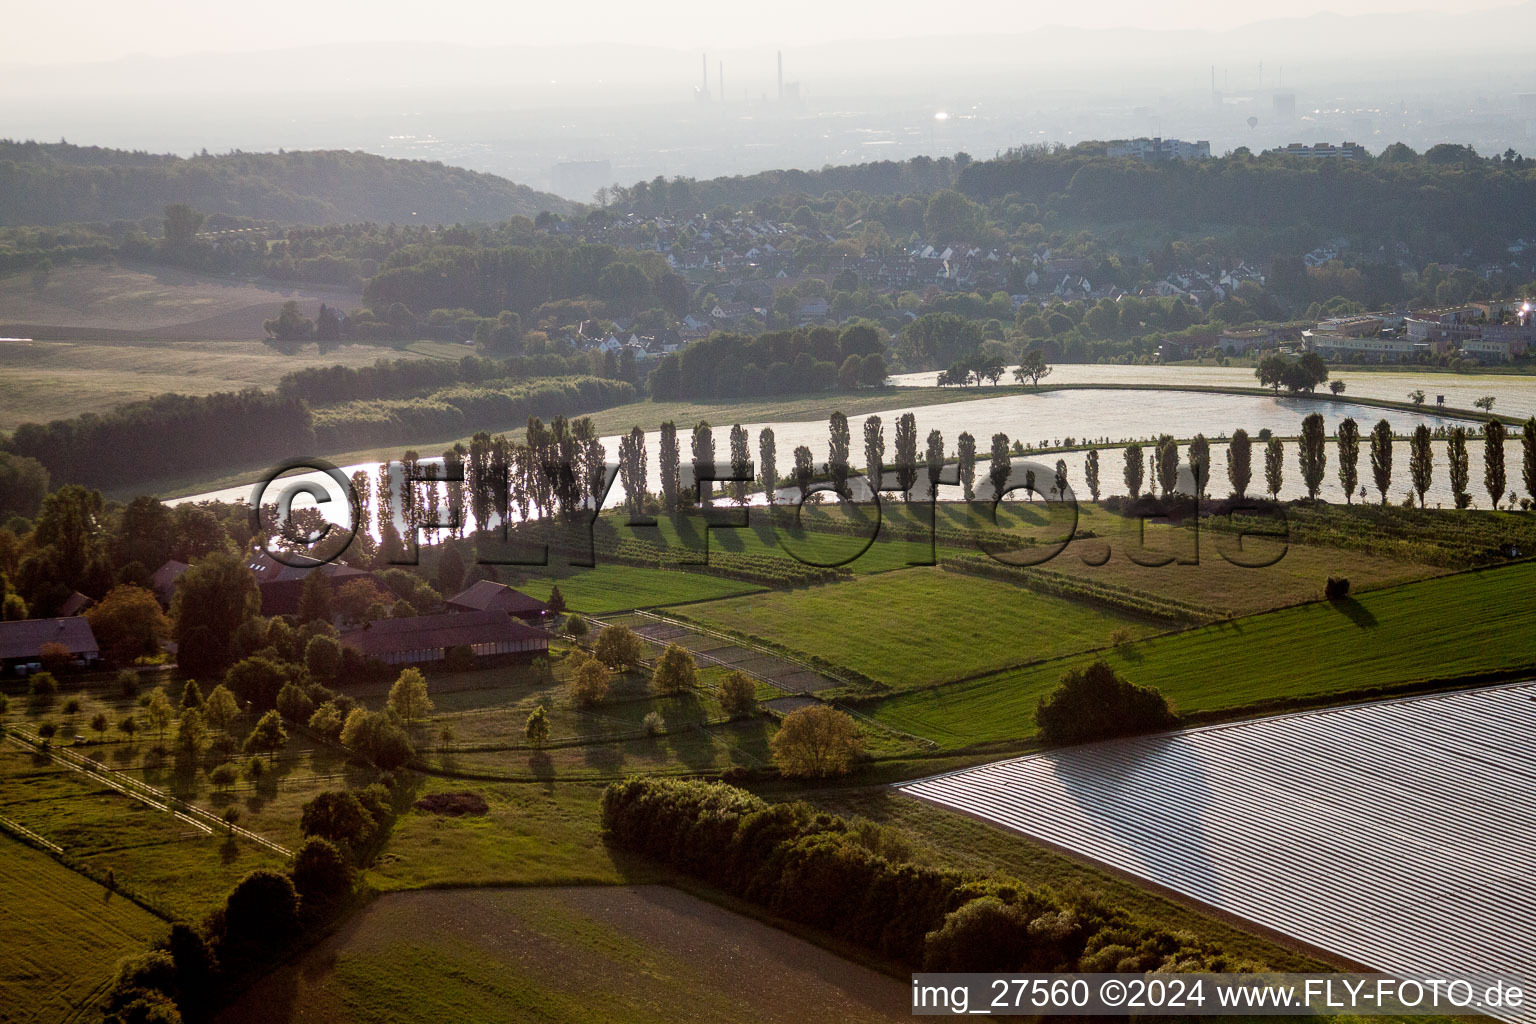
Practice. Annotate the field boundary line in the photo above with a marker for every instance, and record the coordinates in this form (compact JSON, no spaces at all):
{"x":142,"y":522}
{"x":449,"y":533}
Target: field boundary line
{"x":23,"y":832}
{"x":205,"y":821}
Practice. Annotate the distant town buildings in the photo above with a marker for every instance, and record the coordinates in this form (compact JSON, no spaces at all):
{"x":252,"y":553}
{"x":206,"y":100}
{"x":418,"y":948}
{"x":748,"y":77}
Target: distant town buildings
{"x":1155,"y":149}
{"x":1321,"y":151}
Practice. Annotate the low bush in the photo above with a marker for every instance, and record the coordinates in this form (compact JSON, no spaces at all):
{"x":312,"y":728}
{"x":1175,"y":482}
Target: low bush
{"x":1095,"y":703}
{"x":1337,"y":588}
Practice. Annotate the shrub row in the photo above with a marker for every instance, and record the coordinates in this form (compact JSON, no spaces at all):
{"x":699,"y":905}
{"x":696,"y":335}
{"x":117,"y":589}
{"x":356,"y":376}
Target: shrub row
{"x":462,"y":409}
{"x":851,"y":880}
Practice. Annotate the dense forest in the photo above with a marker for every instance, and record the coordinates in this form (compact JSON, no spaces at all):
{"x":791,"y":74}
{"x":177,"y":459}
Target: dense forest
{"x":57,"y":183}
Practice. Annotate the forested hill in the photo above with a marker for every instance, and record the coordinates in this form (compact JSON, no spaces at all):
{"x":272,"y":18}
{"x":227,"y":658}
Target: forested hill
{"x":59,"y":183}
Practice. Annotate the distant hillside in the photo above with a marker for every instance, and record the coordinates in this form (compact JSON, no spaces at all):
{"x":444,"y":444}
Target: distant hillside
{"x":57,"y":183}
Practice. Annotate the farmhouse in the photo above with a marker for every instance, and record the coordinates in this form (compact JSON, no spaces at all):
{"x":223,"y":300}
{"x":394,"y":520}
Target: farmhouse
{"x":22,"y":642}
{"x":163,"y":582}
{"x":282,"y":585}
{"x":427,"y":638}
{"x":497,"y":597}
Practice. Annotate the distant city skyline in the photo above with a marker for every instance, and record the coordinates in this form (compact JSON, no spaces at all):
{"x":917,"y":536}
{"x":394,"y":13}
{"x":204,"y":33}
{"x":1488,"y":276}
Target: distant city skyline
{"x":83,"y":31}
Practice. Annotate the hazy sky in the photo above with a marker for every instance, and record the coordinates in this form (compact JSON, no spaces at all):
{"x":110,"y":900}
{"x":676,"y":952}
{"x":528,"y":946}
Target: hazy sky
{"x":92,"y":30}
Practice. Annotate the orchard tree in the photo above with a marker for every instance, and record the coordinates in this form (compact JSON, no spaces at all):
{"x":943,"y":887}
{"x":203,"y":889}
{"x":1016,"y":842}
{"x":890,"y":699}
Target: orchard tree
{"x":269,"y":735}
{"x":738,"y":694}
{"x":220,"y":709}
{"x":675,"y":671}
{"x":619,"y":648}
{"x":590,"y":681}
{"x":536,"y":729}
{"x":408,"y":696}
{"x":816,"y":742}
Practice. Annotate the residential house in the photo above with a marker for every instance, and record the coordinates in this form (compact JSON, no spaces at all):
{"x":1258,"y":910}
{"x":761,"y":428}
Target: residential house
{"x":22,"y":643}
{"x":487,"y":595}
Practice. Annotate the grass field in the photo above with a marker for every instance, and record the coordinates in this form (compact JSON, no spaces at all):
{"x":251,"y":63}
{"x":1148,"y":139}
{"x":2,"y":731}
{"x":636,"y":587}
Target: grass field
{"x":634,"y":953}
{"x":1433,"y":629}
{"x":49,"y":380}
{"x":108,"y":300}
{"x":610,"y":588}
{"x":919,"y":626}
{"x":63,"y":934}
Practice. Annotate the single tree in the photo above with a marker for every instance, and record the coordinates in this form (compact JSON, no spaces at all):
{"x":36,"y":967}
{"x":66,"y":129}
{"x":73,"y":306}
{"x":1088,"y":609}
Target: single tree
{"x":1485,"y":403}
{"x":838,"y":467}
{"x":128,"y":624}
{"x":220,"y":709}
{"x":158,"y":712}
{"x":590,"y":682}
{"x":536,"y":729}
{"x":1032,"y":368}
{"x":1240,"y":462}
{"x":1528,"y":456}
{"x":1312,"y":453}
{"x":965,"y":459}
{"x":805,"y":471}
{"x":874,"y":453}
{"x":1001,"y":465}
{"x":675,"y":671}
{"x":1091,"y":473}
{"x":1381,"y":457}
{"x":738,"y":694}
{"x":619,"y":648}
{"x":212,"y":600}
{"x":1456,"y":455}
{"x":816,"y":742}
{"x":269,"y":735}
{"x":1274,"y":466}
{"x":704,"y":462}
{"x":1421,"y":461}
{"x":1135,"y":469}
{"x":768,"y":454}
{"x":934,"y":459}
{"x":1494,"y":435}
{"x":1059,"y":485}
{"x":191,"y":736}
{"x":315,"y":594}
{"x":322,"y":657}
{"x":408,"y":696}
{"x":1167,"y":464}
{"x":741,"y":464}
{"x":1349,"y":457}
{"x":191,"y":694}
{"x":670,"y":462}
{"x":1416,"y":396}
{"x":906,"y":454}
{"x":1199,"y":457}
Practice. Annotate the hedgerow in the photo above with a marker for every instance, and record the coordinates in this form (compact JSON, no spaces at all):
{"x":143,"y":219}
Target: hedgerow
{"x":833,"y":874}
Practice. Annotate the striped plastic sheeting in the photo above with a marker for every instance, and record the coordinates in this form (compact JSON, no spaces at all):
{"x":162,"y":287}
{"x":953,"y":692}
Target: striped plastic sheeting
{"x":1400,"y":835}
